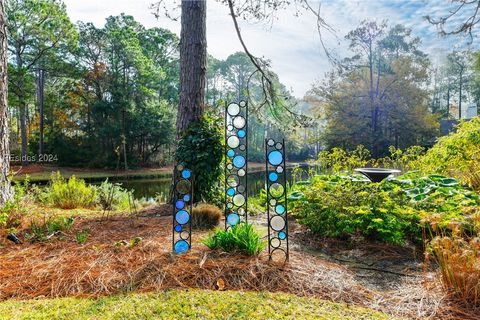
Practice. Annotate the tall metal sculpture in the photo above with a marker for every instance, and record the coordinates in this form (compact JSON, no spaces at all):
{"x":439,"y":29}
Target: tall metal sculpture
{"x":276,"y":185}
{"x":182,"y":208}
{"x":236,"y":165}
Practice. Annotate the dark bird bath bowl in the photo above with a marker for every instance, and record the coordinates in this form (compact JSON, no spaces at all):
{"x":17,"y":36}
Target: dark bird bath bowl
{"x":376,"y":174}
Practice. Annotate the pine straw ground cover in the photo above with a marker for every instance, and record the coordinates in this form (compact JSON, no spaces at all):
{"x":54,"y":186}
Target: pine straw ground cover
{"x":111,"y":263}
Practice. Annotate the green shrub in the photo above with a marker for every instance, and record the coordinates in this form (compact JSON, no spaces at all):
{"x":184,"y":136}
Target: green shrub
{"x":338,"y":159}
{"x":82,"y":236}
{"x":68,"y":194}
{"x":12,"y":211}
{"x":242,"y":237}
{"x":44,"y":230}
{"x":205,"y":216}
{"x":390,"y":211}
{"x":111,"y":196}
{"x":456,"y":155}
{"x":257,"y":204}
{"x":201,"y":149}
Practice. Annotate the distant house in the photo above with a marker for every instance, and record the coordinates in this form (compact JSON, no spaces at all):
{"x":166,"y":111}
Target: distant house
{"x":472,"y":111}
{"x":449,"y":125}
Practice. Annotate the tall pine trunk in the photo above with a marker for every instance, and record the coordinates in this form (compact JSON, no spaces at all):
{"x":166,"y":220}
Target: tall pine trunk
{"x":6,"y":191}
{"x":41,"y":113}
{"x":193,"y":61}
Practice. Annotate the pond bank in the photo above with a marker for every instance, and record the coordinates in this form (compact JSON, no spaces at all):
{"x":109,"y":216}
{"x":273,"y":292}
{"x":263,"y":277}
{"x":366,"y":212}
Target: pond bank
{"x":39,"y":173}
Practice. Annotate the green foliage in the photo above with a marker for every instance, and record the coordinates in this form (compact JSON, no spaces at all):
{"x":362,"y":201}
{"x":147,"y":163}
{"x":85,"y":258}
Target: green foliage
{"x":257,"y":204}
{"x":111,"y":196}
{"x":390,"y":211}
{"x":43,"y":230}
{"x":241,"y":237}
{"x":457,"y":154}
{"x":12,"y":212}
{"x":82,"y":236}
{"x":200,"y":148}
{"x":338,"y":159}
{"x":378,"y":97}
{"x":68,"y":194}
{"x":205,"y":216}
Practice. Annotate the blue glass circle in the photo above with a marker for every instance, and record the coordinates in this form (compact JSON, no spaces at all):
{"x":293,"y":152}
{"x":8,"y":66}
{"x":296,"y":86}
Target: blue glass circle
{"x":233,"y":219}
{"x":179,"y":204}
{"x":231,"y":192}
{"x":186,"y":198}
{"x":275,"y":158}
{"x":273,"y":176}
{"x":230,"y":153}
{"x":280,"y":209}
{"x":178,"y":228}
{"x":182,"y":217}
{"x":239,"y":161}
{"x":241,"y":133}
{"x":181,"y":246}
{"x":186,"y":174}
{"x":282,"y":235}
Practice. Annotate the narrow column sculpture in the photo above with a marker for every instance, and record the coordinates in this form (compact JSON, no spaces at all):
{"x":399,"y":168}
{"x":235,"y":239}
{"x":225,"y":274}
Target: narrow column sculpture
{"x":236,"y":165}
{"x":276,"y":185}
{"x":182,"y":208}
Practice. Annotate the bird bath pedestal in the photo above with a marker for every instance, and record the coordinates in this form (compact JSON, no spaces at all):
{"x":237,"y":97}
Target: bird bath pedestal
{"x":376,"y":174}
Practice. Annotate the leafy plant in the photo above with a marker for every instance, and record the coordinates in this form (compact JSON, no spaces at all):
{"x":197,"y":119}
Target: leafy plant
{"x":257,"y":204}
{"x":200,"y":149}
{"x":44,"y":230}
{"x":111,"y":196}
{"x":338,"y":159}
{"x":12,"y":211}
{"x":390,"y":211}
{"x":242,"y":237}
{"x":68,"y":194}
{"x":82,"y":236}
{"x":205,"y":216}
{"x":457,"y":154}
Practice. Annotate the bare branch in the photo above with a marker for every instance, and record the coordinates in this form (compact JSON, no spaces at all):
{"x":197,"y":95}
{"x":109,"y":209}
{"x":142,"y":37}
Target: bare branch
{"x":470,"y":8}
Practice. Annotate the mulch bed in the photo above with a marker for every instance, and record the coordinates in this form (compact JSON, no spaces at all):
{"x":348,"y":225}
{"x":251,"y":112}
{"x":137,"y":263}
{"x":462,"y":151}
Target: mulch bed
{"x":106,"y":264}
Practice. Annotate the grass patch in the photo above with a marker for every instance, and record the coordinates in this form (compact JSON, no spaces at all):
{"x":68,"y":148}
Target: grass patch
{"x":242,"y":237}
{"x":191,"y":304}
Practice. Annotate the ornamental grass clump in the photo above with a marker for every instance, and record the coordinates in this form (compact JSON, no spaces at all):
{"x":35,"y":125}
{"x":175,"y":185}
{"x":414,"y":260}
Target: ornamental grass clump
{"x":456,"y":250}
{"x":206,"y":216}
{"x":242,"y":238}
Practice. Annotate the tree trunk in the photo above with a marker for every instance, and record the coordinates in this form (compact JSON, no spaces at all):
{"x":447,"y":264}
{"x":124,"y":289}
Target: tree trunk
{"x":23,"y":107}
{"x":460,"y":96}
{"x":193,"y":61}
{"x":41,"y":113}
{"x":6,"y":190}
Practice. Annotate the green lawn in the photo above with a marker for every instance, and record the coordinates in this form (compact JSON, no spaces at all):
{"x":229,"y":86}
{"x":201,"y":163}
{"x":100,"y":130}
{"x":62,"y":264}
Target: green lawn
{"x":190,"y":304}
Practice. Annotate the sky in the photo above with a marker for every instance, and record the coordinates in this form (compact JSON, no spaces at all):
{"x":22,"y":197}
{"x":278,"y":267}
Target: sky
{"x":290,"y":42}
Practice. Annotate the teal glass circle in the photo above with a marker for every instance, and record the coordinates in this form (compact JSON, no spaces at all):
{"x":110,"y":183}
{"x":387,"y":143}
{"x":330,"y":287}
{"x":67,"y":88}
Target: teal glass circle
{"x":182,"y":217}
{"x":181,"y":246}
{"x":233,"y":219}
{"x":186,"y":174}
{"x":280,"y":209}
{"x":272,"y":176}
{"x":275,"y":158}
{"x":239,"y":161}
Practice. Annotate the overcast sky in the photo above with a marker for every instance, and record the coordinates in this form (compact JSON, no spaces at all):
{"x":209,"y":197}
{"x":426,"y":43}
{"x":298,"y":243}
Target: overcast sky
{"x":291,"y":43}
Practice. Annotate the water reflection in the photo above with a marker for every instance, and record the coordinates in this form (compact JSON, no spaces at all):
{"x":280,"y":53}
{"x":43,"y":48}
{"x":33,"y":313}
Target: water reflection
{"x":160,"y":188}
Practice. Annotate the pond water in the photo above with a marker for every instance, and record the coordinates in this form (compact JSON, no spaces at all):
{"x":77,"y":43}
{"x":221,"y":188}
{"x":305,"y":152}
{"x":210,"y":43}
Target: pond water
{"x":160,"y":187}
